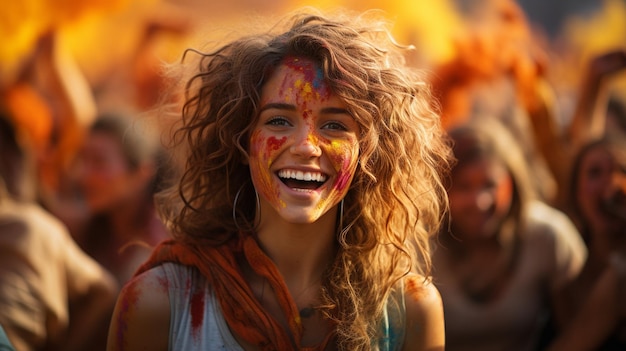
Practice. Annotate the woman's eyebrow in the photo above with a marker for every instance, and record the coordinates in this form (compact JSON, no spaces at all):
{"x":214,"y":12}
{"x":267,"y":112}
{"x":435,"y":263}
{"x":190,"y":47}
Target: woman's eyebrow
{"x":290,"y":107}
{"x":278,"y":106}
{"x":335,"y":110}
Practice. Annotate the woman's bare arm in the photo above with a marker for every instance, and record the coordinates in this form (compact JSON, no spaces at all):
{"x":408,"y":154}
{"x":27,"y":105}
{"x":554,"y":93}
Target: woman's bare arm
{"x":141,"y":319}
{"x":424,"y":316}
{"x":590,"y":115}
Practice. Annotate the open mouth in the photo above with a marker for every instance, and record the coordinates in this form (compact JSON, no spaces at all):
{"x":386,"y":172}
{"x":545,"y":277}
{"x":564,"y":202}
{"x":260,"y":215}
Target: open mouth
{"x":299,"y":180}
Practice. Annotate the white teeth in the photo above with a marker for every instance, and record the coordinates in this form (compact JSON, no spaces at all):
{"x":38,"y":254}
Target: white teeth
{"x":299,"y":175}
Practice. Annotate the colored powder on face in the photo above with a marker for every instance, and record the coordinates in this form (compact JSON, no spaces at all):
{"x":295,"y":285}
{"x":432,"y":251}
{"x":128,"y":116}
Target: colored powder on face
{"x":342,"y":181}
{"x":197,"y":312}
{"x":312,"y":138}
{"x":314,"y":82}
{"x":300,"y":91}
{"x":340,"y":154}
{"x":312,"y":73}
{"x":262,"y":155}
{"x":274,"y":144}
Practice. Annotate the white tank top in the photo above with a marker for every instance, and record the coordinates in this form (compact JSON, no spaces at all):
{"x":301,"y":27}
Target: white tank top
{"x":197,"y":322}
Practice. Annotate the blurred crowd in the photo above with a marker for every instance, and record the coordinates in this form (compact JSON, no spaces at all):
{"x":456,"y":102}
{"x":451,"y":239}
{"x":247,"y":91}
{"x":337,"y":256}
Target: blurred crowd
{"x":532,"y":256}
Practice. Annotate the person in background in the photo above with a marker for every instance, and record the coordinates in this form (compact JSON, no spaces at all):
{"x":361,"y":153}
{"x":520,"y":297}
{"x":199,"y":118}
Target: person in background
{"x":52,"y":295}
{"x":504,"y":258}
{"x":119,"y":169}
{"x":51,"y":101}
{"x":311,"y":186}
{"x":597,"y":113}
{"x":595,"y":298}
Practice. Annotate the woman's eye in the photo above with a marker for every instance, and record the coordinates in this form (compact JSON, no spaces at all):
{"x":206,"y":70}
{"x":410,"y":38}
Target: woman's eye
{"x":277,"y":121}
{"x":334,"y":126}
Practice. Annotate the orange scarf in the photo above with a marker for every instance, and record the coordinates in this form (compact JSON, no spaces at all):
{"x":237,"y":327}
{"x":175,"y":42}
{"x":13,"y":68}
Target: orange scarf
{"x":241,"y":309}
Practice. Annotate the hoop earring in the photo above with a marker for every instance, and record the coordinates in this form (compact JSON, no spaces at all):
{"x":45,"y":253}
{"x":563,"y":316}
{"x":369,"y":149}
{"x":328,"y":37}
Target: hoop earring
{"x":341,"y":231}
{"x":340,"y":227}
{"x":257,"y":208}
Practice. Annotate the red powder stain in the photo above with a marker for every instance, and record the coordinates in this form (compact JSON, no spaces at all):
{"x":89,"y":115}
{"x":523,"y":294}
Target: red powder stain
{"x":411,"y":285}
{"x":415,"y":287}
{"x":312,"y":73}
{"x":188,"y":285}
{"x":274,"y":144}
{"x":129,"y":298}
{"x":197,"y":312}
{"x":344,"y":173}
{"x":164,"y":283}
{"x":342,"y":181}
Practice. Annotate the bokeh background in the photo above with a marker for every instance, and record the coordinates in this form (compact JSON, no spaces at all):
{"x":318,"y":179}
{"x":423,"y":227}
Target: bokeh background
{"x":107,"y":38}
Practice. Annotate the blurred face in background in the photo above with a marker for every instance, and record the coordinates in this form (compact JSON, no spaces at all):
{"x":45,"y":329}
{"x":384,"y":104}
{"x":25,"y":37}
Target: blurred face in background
{"x":480,"y":196}
{"x":106,"y":177}
{"x":601,"y":190}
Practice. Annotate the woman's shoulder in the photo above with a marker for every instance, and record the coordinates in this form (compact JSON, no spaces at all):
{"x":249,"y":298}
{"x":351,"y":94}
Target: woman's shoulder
{"x":33,"y":220}
{"x":421,"y":296}
{"x":142,"y":313}
{"x":548,"y":218}
{"x":424,"y":314}
{"x":552,"y":238}
{"x":167,"y":278}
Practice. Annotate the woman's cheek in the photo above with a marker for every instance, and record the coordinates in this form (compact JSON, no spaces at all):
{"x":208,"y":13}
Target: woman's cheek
{"x":263,"y":150}
{"x":343,"y":155}
{"x":260,"y":178}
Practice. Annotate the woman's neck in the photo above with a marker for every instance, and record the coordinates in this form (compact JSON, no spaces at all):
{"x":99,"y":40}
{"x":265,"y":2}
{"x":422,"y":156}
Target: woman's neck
{"x":301,"y":252}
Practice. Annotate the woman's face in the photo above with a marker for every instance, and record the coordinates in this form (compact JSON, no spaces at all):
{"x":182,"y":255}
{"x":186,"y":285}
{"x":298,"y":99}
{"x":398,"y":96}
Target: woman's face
{"x":601,"y":190}
{"x":106,"y":178}
{"x":480,"y":197}
{"x":304,"y":148}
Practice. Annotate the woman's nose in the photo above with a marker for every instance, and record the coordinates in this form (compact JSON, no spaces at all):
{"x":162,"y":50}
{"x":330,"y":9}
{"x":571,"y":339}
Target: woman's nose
{"x":306,"y":144}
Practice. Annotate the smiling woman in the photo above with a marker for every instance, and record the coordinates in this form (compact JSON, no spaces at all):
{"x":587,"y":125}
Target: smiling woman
{"x":303,"y":215}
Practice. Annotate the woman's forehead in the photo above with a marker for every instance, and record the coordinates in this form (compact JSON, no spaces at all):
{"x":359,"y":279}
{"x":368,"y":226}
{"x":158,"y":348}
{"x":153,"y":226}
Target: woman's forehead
{"x":294,"y":79}
{"x":311,"y":70}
